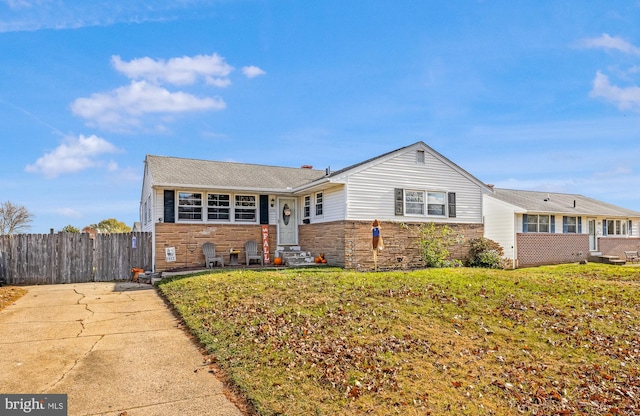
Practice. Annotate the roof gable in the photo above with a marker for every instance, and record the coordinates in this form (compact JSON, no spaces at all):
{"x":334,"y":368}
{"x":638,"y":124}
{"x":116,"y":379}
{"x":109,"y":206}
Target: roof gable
{"x":420,"y":145}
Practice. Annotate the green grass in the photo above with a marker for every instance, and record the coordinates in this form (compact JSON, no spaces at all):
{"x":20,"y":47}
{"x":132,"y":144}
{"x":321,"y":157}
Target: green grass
{"x":548,"y":340}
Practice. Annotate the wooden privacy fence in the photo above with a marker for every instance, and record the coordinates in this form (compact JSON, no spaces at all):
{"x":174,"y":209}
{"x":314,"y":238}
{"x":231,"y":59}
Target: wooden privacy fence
{"x":37,"y":259}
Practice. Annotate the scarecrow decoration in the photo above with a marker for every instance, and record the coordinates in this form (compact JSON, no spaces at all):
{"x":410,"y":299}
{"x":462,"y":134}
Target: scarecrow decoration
{"x":376,"y":241}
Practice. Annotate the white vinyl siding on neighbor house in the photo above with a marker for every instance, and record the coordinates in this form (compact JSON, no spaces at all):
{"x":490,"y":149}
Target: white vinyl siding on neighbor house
{"x":500,"y":224}
{"x":370,"y":189}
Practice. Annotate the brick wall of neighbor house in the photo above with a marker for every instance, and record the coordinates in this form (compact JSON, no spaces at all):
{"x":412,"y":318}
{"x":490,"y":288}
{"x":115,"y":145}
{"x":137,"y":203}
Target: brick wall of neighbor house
{"x":611,"y":246}
{"x":536,"y":249}
{"x":188,"y":240}
{"x":401,"y":243}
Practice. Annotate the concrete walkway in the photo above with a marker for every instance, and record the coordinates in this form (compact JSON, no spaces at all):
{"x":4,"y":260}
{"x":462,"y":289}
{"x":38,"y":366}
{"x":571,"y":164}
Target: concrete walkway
{"x":114,"y":348}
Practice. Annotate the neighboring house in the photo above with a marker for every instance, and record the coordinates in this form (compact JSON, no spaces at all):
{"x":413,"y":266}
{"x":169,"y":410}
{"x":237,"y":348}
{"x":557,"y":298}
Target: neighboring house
{"x":536,"y":228}
{"x":187,"y":202}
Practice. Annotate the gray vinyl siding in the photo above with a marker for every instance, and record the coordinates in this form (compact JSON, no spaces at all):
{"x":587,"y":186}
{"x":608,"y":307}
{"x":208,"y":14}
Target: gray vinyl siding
{"x":370,"y":190}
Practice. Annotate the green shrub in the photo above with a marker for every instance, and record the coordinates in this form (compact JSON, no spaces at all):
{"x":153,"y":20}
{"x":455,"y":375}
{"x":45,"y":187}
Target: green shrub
{"x":485,"y":253}
{"x":435,"y":243}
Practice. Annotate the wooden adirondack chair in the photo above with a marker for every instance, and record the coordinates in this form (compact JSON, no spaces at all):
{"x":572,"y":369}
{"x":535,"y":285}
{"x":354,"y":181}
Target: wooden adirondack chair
{"x":210,"y":257}
{"x":252,"y":252}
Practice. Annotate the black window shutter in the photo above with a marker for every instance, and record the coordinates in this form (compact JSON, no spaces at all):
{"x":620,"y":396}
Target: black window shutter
{"x":264,"y":209}
{"x":452,"y":204}
{"x":399,"y":200}
{"x":169,"y":205}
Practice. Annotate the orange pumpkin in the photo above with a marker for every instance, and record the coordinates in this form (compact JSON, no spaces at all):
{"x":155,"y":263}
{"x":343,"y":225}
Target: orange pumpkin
{"x":277,"y":261}
{"x":323,"y":261}
{"x":317,"y":259}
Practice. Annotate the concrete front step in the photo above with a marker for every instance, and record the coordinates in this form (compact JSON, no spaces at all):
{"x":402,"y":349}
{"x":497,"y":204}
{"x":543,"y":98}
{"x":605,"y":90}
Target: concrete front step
{"x":607,"y":260}
{"x":293,"y":256}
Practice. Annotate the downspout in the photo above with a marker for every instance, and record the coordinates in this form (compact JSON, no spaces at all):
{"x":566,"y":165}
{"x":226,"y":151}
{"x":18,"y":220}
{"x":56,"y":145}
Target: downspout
{"x":153,"y":231}
{"x":514,"y":264}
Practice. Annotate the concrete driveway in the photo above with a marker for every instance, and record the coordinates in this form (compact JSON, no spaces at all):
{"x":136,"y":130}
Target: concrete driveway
{"x":114,"y":348}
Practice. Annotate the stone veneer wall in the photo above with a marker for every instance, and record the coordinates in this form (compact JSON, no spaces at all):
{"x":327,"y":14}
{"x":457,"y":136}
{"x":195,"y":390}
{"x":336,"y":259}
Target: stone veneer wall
{"x":613,"y":246}
{"x":536,"y":249}
{"x":188,"y":240}
{"x":327,"y":238}
{"x":348,"y":243}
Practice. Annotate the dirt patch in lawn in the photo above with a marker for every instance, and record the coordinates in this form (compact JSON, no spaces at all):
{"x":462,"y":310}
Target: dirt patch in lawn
{"x":9,"y":294}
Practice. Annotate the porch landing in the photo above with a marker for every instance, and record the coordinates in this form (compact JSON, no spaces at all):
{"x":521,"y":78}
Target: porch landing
{"x":599,"y":258}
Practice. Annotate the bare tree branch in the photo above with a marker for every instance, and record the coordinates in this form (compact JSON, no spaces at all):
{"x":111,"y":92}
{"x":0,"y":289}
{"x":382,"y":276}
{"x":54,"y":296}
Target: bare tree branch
{"x":14,"y":219}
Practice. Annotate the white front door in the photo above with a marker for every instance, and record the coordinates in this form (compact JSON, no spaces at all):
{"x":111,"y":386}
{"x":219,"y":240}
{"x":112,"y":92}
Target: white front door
{"x":287,"y":222}
{"x":593,"y":239}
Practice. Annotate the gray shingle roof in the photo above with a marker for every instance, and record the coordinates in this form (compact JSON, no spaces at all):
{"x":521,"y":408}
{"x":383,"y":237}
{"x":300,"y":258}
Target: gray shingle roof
{"x":550,"y":202}
{"x":173,"y":171}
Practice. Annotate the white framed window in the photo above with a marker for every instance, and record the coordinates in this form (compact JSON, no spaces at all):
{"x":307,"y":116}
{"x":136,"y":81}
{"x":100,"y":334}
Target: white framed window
{"x":572,"y":225}
{"x":245,"y":208}
{"x":218,"y":207}
{"x":189,"y":206}
{"x":436,"y":203}
{"x":319,"y":204}
{"x":537,"y":224}
{"x":615,"y":227}
{"x":414,"y":202}
{"x":306,"y":209}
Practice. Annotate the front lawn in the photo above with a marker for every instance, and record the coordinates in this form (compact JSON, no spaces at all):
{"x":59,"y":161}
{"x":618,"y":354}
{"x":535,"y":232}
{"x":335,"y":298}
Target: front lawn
{"x":548,"y":340}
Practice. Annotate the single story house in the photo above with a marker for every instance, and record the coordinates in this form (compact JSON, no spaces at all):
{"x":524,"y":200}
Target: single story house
{"x":187,"y":202}
{"x":536,"y":228}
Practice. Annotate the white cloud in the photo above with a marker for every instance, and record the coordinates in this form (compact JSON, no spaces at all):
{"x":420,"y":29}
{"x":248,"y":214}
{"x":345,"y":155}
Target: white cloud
{"x":611,"y":42}
{"x":185,"y":70}
{"x":31,"y":15}
{"x":627,"y":98}
{"x":252,"y":71}
{"x":218,"y":82}
{"x":69,"y":212}
{"x":74,"y":155}
{"x":124,"y":106}
{"x":20,"y":4}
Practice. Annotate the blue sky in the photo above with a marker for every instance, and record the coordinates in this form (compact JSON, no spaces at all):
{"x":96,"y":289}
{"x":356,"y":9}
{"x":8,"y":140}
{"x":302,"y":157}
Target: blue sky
{"x":535,"y":95}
